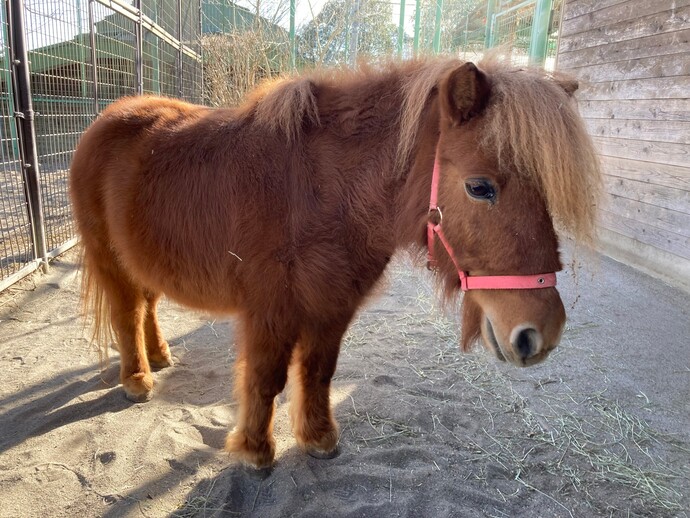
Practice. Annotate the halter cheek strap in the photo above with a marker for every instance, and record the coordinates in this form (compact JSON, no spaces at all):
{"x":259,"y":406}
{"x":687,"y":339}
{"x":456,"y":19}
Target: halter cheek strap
{"x":475,"y":282}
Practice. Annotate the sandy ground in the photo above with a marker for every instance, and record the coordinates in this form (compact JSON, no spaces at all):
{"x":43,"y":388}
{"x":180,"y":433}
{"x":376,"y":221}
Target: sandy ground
{"x":601,"y":429}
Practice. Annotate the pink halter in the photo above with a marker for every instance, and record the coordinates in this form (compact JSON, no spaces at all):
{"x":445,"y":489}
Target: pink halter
{"x":480,"y":282}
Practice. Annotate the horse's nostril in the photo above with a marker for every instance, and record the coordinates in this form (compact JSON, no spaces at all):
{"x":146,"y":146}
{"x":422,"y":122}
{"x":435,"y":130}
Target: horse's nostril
{"x":526,"y":343}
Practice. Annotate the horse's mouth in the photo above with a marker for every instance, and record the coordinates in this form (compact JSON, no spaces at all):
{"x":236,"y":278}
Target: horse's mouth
{"x":490,"y":337}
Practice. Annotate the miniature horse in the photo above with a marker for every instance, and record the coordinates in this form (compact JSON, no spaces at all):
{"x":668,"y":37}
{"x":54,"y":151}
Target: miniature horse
{"x":286,"y":210}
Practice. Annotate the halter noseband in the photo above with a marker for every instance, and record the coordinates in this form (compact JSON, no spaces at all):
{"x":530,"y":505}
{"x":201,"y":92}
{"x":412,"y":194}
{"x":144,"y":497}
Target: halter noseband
{"x":475,"y":282}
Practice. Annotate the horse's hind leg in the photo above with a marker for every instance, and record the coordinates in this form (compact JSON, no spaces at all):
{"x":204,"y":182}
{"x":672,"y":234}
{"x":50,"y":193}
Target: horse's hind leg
{"x":312,"y":368}
{"x":260,"y":375}
{"x":128,"y":308}
{"x":156,"y":347}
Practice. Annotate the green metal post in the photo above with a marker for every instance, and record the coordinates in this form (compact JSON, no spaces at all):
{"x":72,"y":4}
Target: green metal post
{"x":540,"y":32}
{"x":82,"y":55}
{"x":94,"y":60}
{"x":138,"y":50}
{"x":401,"y":29}
{"x":417,"y":24}
{"x":437,"y":26}
{"x":156,"y":58}
{"x":293,"y":47}
{"x":354,"y":37}
{"x":347,"y":35}
{"x":467,"y":24}
{"x":180,"y":33}
{"x":490,"y":10}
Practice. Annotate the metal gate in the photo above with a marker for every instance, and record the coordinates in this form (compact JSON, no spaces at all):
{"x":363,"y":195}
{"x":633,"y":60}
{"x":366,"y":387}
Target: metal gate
{"x":61,"y":63}
{"x":528,"y":30}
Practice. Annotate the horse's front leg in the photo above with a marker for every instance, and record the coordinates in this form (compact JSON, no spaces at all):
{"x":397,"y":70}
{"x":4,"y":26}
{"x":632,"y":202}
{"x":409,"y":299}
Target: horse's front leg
{"x":312,"y":368}
{"x":157,"y":348}
{"x":260,"y":375}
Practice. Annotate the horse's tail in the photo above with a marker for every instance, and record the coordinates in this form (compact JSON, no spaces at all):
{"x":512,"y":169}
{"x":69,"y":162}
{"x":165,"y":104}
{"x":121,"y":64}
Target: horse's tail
{"x":96,"y":311}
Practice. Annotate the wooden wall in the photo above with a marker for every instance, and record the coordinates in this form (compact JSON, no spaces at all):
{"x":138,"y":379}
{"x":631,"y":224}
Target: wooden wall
{"x":633,"y":61}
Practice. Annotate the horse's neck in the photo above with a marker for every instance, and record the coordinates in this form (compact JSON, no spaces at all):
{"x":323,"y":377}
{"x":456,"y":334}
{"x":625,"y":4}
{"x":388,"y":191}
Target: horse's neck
{"x":412,"y":198}
{"x":406,"y":187}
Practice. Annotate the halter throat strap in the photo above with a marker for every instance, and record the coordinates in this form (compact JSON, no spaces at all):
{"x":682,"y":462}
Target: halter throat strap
{"x":474,"y":282}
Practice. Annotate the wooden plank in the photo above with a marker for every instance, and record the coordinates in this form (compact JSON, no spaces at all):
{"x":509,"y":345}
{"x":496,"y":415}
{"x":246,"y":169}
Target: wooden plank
{"x":639,"y":109}
{"x":666,"y":21}
{"x":671,"y":176}
{"x":659,"y":195}
{"x":660,"y":153}
{"x":652,"y":88}
{"x":673,"y":269}
{"x":626,"y":12}
{"x":658,"y":238}
{"x":637,"y":68}
{"x":574,"y":8}
{"x":674,"y":42}
{"x":657,"y":217}
{"x":650,"y":130}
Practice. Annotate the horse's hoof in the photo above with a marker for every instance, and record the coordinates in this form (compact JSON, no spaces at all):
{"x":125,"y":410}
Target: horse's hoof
{"x":255,"y":473}
{"x":323,"y":455}
{"x":159,"y":357}
{"x":161,"y":362}
{"x":257,"y":455}
{"x":326,"y":447}
{"x":138,"y":387}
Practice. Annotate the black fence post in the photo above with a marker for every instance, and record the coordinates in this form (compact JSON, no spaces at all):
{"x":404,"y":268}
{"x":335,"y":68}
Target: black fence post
{"x":24,"y":116}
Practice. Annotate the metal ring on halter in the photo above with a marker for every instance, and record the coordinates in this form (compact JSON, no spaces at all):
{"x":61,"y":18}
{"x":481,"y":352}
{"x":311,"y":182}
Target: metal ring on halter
{"x":541,"y":280}
{"x":440,"y":214}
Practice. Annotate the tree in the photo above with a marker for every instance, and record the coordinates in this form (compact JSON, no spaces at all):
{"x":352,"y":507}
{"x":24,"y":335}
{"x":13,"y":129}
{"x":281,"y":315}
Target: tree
{"x":326,"y":38}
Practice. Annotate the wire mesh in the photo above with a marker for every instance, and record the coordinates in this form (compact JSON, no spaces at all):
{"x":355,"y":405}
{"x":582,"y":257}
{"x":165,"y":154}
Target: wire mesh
{"x":63,"y":46}
{"x":62,"y":92}
{"x":160,"y":66}
{"x":16,"y":247}
{"x":115,"y":54}
{"x":512,"y":31}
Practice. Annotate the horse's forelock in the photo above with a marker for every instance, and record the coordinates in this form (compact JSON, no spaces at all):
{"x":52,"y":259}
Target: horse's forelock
{"x":533,"y":127}
{"x":421,"y":79}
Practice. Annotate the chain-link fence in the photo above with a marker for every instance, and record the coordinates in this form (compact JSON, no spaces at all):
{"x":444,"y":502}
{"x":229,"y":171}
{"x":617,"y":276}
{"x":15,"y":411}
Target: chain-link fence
{"x":62,"y":61}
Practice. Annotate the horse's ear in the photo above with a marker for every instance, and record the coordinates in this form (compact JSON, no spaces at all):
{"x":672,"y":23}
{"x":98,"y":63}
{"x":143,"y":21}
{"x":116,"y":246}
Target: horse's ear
{"x":569,"y":84}
{"x":465,"y":93}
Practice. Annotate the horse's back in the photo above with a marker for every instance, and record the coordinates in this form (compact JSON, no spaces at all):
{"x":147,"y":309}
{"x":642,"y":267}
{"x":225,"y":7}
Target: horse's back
{"x":121,"y":132}
{"x":128,"y":187}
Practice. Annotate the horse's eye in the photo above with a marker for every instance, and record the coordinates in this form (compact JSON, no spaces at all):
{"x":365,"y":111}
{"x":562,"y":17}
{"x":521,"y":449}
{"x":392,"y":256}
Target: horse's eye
{"x":481,"y":189}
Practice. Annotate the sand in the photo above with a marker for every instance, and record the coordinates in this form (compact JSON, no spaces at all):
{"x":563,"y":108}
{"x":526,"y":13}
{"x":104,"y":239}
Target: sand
{"x":601,"y":429}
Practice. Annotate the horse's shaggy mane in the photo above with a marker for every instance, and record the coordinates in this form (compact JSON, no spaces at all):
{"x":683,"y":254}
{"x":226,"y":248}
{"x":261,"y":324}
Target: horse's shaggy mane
{"x":531,"y":124}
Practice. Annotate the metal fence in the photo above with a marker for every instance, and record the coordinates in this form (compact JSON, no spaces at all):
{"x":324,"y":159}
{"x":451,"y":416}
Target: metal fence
{"x":61,"y":62}
{"x":527,"y":30}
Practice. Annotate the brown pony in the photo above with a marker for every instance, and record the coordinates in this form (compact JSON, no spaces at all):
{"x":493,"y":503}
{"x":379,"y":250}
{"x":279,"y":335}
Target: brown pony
{"x":286,"y":210}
